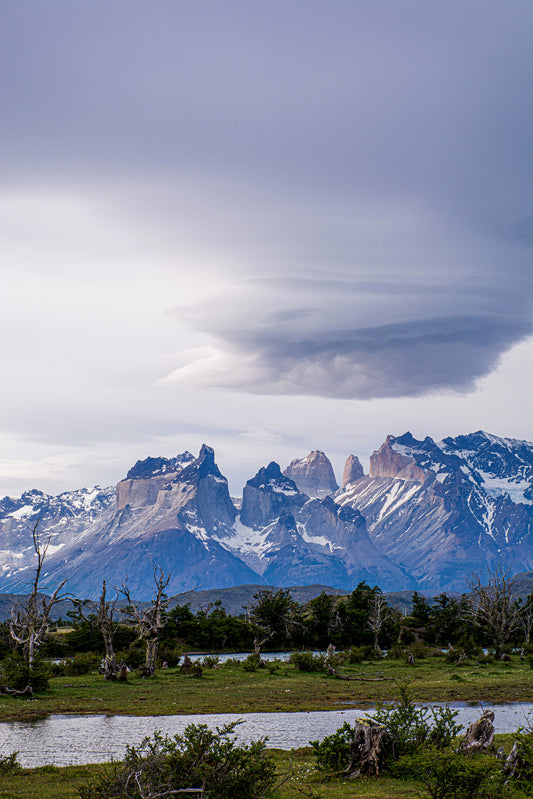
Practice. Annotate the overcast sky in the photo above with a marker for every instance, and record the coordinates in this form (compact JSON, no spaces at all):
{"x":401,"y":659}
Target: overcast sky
{"x":267,"y":226}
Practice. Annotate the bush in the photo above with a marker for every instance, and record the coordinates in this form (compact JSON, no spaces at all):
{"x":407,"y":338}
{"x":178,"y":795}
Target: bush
{"x":171,"y":653}
{"x":409,"y":726}
{"x":306,"y":661}
{"x":82,"y":663}
{"x":397,"y":652}
{"x":9,"y":763}
{"x":198,"y":758}
{"x":15,"y":673}
{"x":210,"y":661}
{"x":134,"y":655}
{"x":230,"y":663}
{"x":333,"y":752}
{"x":356,"y":654}
{"x":524,"y":772}
{"x":58,"y":669}
{"x":251,"y":662}
{"x":448,"y":775}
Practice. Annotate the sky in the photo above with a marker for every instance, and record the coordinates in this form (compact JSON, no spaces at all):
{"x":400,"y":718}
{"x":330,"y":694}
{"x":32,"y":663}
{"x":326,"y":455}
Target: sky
{"x":269,"y":226}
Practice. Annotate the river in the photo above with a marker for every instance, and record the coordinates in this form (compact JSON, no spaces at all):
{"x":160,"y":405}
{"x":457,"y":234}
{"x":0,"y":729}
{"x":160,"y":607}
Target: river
{"x":64,"y":740}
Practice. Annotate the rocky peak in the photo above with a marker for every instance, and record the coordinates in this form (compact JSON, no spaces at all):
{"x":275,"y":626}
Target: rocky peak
{"x":395,"y":459}
{"x":267,"y":495}
{"x":155,"y":481}
{"x":313,"y":474}
{"x":352,"y":470}
{"x":153,"y":467}
{"x":213,"y":502}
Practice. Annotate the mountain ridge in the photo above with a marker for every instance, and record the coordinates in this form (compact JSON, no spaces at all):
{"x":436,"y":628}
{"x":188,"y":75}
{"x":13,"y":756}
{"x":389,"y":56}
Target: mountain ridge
{"x":426,"y":516}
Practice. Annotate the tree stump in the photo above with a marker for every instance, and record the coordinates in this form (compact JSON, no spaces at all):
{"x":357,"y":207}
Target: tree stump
{"x":369,"y":750}
{"x":480,"y":734}
{"x":186,"y":666}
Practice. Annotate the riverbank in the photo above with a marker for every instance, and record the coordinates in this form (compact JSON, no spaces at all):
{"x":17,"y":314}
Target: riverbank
{"x":231,"y":689}
{"x":297,"y":776}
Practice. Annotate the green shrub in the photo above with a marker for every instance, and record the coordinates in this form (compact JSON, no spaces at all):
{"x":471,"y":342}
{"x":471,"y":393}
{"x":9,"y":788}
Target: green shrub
{"x":356,"y":654}
{"x":251,"y":662}
{"x":525,"y":768}
{"x":449,"y":775}
{"x":58,"y":669}
{"x":418,"y":651}
{"x":444,"y":729}
{"x":169,"y":652}
{"x":397,"y":652}
{"x":306,"y":661}
{"x":409,"y":726}
{"x":210,"y":661}
{"x":230,"y":663}
{"x":82,"y":663}
{"x":9,"y":763}
{"x":200,"y":757}
{"x":15,"y":673}
{"x":134,"y":655}
{"x":333,"y":752}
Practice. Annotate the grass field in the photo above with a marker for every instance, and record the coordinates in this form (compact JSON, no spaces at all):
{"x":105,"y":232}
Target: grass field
{"x":232,"y":689}
{"x":297,"y":778}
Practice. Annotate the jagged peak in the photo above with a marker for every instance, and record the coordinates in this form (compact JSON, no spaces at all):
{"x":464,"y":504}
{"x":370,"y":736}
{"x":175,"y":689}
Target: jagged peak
{"x":270,"y":476}
{"x":353,"y":470}
{"x":153,"y":467}
{"x":313,"y":474}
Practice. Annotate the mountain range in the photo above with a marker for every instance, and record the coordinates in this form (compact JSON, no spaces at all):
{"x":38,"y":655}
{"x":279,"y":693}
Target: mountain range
{"x":426,"y":516}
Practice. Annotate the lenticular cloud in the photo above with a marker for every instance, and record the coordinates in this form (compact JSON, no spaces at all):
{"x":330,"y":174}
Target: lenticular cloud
{"x":352,"y":340}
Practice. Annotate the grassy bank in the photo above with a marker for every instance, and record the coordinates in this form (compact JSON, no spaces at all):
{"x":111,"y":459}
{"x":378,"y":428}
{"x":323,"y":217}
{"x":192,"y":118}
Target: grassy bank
{"x":231,"y":689}
{"x":297,"y":777}
{"x":294,"y":769}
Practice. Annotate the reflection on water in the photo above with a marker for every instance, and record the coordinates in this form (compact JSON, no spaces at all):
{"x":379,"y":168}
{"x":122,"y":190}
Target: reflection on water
{"x":65,"y":740}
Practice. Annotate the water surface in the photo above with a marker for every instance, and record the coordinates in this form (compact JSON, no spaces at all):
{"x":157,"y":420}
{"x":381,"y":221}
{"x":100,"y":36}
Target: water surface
{"x":64,"y":740}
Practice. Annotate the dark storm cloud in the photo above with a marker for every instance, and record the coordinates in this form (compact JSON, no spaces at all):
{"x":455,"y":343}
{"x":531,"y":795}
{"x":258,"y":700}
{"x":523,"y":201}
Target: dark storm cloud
{"x":382,"y":148}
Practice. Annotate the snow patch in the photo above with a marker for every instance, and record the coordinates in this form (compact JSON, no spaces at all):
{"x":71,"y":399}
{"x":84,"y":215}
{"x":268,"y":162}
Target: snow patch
{"x":23,"y":512}
{"x":498,"y":486}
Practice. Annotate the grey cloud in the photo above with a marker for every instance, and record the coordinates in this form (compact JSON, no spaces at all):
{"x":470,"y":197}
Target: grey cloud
{"x":417,"y":98}
{"x":362,"y":340}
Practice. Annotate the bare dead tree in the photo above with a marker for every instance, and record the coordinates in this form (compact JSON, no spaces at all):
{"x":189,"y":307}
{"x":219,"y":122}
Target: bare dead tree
{"x":105,"y":621}
{"x":29,"y":620}
{"x":104,"y":618}
{"x":376,"y":619}
{"x":493,"y":606}
{"x":526,"y":618}
{"x":150,"y":621}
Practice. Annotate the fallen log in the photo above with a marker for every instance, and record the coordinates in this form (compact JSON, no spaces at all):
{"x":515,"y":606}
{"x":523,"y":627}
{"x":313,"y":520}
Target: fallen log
{"x":28,"y":691}
{"x":334,"y":673}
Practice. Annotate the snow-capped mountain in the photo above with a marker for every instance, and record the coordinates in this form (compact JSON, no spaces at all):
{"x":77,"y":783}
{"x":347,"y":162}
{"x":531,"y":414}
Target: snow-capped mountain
{"x":427,"y":516}
{"x":444,"y":510}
